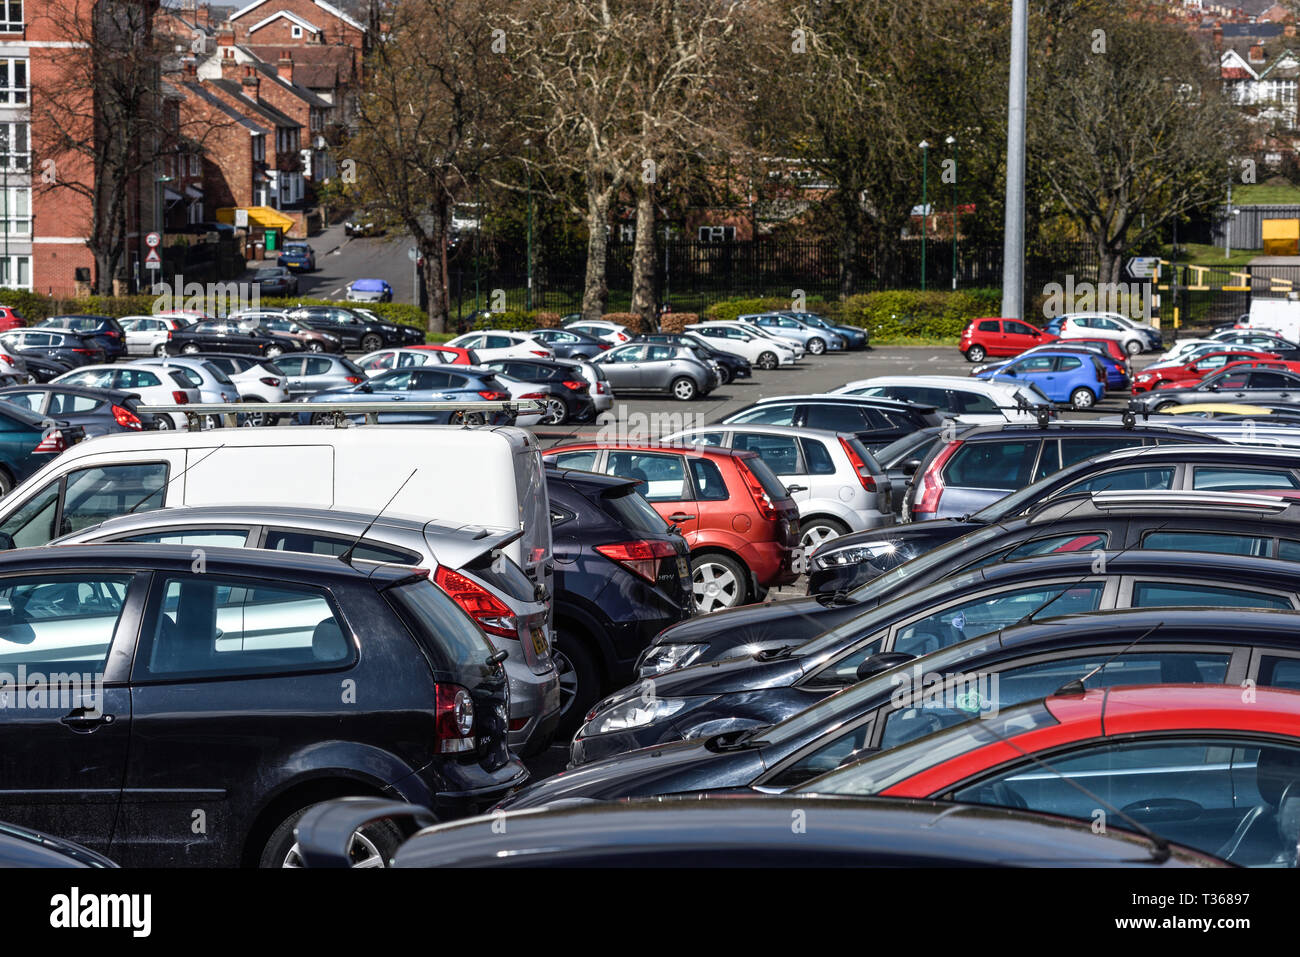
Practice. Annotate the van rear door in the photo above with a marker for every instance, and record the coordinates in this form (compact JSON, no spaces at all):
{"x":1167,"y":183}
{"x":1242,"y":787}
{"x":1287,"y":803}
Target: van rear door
{"x":534,"y":513}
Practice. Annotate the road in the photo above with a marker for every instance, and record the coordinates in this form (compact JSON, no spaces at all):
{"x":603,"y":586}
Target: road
{"x":340,"y":259}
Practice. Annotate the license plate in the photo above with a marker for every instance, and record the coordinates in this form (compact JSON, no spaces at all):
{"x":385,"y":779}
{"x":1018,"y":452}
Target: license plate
{"x":539,"y":641}
{"x":683,"y":570}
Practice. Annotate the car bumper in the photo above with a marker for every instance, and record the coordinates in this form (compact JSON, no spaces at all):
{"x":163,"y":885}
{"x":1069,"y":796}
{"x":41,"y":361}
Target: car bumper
{"x":599,"y":746}
{"x":534,"y":699}
{"x":770,"y":562}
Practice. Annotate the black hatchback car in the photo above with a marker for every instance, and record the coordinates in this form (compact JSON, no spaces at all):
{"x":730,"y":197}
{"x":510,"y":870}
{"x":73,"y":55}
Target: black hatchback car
{"x":97,"y":411}
{"x":104,"y":331}
{"x":229,"y":335}
{"x":566,"y":395}
{"x":62,"y":345}
{"x":620,"y":576}
{"x":197,"y":701}
{"x":355,"y":330}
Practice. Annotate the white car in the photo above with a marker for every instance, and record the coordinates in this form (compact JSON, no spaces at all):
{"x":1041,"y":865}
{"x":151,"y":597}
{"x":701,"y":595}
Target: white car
{"x":154,"y":386}
{"x":772,"y":335}
{"x":609,"y":331}
{"x":148,"y":335}
{"x":11,"y":363}
{"x":381,"y":360}
{"x":1135,"y":337}
{"x":969,"y":401}
{"x":213,"y":384}
{"x":831,"y":476}
{"x":257,"y":381}
{"x":1176,"y":353}
{"x":761,"y":350}
{"x":499,"y":344}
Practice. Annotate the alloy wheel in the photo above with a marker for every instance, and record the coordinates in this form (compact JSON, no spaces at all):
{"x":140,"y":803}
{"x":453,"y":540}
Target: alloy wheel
{"x":815,"y":534}
{"x":362,"y":852}
{"x":714,"y":586}
{"x":554,"y":411}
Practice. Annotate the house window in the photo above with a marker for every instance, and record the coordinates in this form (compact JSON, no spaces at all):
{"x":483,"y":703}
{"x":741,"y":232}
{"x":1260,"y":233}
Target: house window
{"x":13,"y":81}
{"x":259,"y":148}
{"x":15,"y":148}
{"x":16,"y":211}
{"x":16,"y":272}
{"x":11,"y":16}
{"x":196,"y":167}
{"x":717,"y":234}
{"x":295,"y":31}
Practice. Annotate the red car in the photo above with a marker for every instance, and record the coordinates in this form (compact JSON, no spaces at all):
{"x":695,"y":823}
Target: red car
{"x":1187,"y":374}
{"x":451,"y":355}
{"x":9,"y":319}
{"x":1000,"y":337}
{"x":737,"y":517}
{"x":1212,"y":767}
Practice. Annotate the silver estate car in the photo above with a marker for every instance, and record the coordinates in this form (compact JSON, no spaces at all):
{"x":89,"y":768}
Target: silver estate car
{"x":651,"y":367}
{"x":308,"y":375}
{"x":464,"y":561}
{"x":815,"y":340}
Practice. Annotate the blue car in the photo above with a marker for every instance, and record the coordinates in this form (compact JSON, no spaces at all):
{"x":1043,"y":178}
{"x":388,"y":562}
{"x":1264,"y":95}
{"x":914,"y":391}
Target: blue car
{"x":854,"y":338}
{"x":1063,"y":376}
{"x":439,"y":384}
{"x":298,"y":257}
{"x":1117,"y":379}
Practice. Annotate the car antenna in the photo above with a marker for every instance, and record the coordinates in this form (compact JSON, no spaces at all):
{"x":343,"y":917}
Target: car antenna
{"x":183,"y":472}
{"x":1076,"y":685}
{"x":346,"y":556}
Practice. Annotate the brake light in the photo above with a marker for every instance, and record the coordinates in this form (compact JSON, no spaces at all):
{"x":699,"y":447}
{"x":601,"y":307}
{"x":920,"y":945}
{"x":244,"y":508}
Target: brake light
{"x":765,"y":506}
{"x":453,"y":718}
{"x":491,"y":613}
{"x":126,"y":418}
{"x":273,"y":383}
{"x":503,"y":396}
{"x":932,"y":480}
{"x":84,"y":352}
{"x":602,"y":387}
{"x":622,"y":338}
{"x":180,"y":398}
{"x":543,"y":353}
{"x":864,"y":474}
{"x":355,"y":379}
{"x":641,"y":557}
{"x":533,"y":395}
{"x":7,"y":359}
{"x":576,"y":386}
{"x":53,"y":442}
{"x":602,"y":346}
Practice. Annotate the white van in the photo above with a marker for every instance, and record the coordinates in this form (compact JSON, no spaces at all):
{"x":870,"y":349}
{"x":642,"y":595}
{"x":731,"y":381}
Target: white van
{"x":487,"y":476}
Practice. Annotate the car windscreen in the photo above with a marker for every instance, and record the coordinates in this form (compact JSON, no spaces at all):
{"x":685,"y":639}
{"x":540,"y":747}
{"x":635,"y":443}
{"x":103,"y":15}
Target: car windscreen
{"x":440,"y":625}
{"x":352,"y":367}
{"x":218,"y":374}
{"x":186,"y":378}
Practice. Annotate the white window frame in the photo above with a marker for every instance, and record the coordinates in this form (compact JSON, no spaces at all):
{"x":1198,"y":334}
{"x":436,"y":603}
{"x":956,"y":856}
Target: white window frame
{"x":19,"y":226}
{"x":7,"y":22}
{"x":9,"y":266}
{"x":12,"y":95}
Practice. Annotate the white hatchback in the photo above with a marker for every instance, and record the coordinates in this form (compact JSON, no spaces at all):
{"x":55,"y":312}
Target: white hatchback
{"x":969,"y":401}
{"x":609,"y":331}
{"x":499,"y":344}
{"x":1135,"y":337}
{"x":148,"y":335}
{"x":761,"y":350}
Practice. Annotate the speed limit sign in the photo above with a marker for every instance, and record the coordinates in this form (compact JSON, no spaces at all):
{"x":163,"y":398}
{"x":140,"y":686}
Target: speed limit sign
{"x":153,"y":240}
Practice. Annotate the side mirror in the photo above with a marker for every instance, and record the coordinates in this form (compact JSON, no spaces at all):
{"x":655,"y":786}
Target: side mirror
{"x":1008,"y":372}
{"x":365,"y":387}
{"x":910,"y":466}
{"x":882,"y":661}
{"x":6,"y":542}
{"x":1212,"y":387}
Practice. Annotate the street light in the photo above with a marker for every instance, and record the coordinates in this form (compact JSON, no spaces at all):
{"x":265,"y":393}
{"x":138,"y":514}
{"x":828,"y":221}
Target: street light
{"x":528,"y":167}
{"x":952,"y":141}
{"x":925,"y":202}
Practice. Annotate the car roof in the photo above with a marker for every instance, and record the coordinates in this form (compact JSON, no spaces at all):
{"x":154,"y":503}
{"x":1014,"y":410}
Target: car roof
{"x":952,"y":381}
{"x":843,"y":398}
{"x":1091,"y":426}
{"x":113,"y":395}
{"x":1225,"y":450}
{"x":629,"y":446}
{"x":793,"y":430}
{"x":1229,"y":626}
{"x":1265,"y":571}
{"x":1246,"y":505}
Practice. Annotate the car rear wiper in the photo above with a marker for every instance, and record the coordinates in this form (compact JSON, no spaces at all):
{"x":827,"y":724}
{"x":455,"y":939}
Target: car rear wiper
{"x":838,"y":597}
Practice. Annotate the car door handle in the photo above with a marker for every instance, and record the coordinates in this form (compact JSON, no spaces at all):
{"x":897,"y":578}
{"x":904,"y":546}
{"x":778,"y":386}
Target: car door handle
{"x":679,"y":517}
{"x":84,"y":720}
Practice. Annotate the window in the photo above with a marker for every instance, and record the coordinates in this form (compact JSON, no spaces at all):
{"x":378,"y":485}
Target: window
{"x":1276,"y":672}
{"x":135,"y":379}
{"x":31,"y":401}
{"x":1076,"y":450}
{"x":780,"y":452}
{"x":67,"y":621}
{"x":1068,"y":363}
{"x":1272,"y":380}
{"x":289,"y":540}
{"x":717,"y":234}
{"x":1209,"y":478}
{"x":11,"y":16}
{"x":767,"y":415}
{"x":295,"y":31}
{"x":992,"y":465}
{"x":988,"y":325}
{"x":206,"y":625}
{"x":584,"y":461}
{"x":709,"y":483}
{"x":1125,"y":480}
{"x":1068,"y":542}
{"x":1161,"y":594}
{"x":63,"y":403}
{"x":13,"y":81}
{"x":838,"y":418}
{"x":713,"y":439}
{"x":663,"y":477}
{"x":1016,"y":328}
{"x":16,"y":271}
{"x":92,"y":495}
{"x":259,"y":148}
{"x":818,"y":459}
{"x":15,"y":144}
{"x":213,"y":537}
{"x":968,"y":403}
{"x":1219,"y":544}
{"x":1032,"y":365}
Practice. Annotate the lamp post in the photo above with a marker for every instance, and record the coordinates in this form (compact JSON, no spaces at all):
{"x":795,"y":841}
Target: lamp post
{"x":528,"y":166}
{"x":4,"y":150}
{"x":952,"y":141}
{"x":1013,"y":238}
{"x":925,"y":202}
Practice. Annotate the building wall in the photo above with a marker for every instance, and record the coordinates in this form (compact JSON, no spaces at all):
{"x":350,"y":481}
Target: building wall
{"x":333,"y":29}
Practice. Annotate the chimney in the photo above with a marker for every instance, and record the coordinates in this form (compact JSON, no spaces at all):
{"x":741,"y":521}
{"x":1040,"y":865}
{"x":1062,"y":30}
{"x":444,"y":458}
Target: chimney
{"x":1218,"y":38}
{"x":191,"y":70}
{"x":229,"y":65}
{"x":1256,"y":54}
{"x":251,"y":82}
{"x":284,"y":66}
{"x":225,"y":35}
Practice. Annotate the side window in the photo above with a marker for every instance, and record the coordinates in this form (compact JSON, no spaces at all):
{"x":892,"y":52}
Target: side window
{"x":31,"y":401}
{"x":206,"y":625}
{"x":585,"y":461}
{"x":1225,"y":479}
{"x":64,"y":620}
{"x":817,"y":457}
{"x":993,"y":465}
{"x":289,"y":365}
{"x":1068,"y":363}
{"x":663,"y":477}
{"x":1151,"y":594}
{"x":1052,"y":544}
{"x":767,"y":415}
{"x":1049,"y":460}
{"x":780,"y":452}
{"x":709,"y":484}
{"x":63,"y":403}
{"x":971,"y":403}
{"x":1125,"y":480}
{"x":395,"y":381}
{"x":290,"y":540}
{"x":1270,"y":380}
{"x":837,"y":418}
{"x":214,"y":537}
{"x":316,"y":365}
{"x":1222,"y":543}
{"x":33,"y":522}
{"x":1076,"y":450}
{"x":988,"y":325}
{"x":430,"y":379}
{"x":1278,"y":672}
{"x":713,"y":439}
{"x":95,"y":494}
{"x":656,"y":353}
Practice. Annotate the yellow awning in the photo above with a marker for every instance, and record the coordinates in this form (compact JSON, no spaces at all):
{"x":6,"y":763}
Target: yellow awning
{"x":263,"y":216}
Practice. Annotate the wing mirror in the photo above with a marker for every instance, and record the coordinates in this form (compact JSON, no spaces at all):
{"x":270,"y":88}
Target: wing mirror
{"x":6,"y":542}
{"x":910,"y":466}
{"x":880,"y":662}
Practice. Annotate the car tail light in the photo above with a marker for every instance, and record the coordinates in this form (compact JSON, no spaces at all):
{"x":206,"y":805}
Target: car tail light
{"x":932,"y":480}
{"x":126,"y":418}
{"x":169,"y":335}
{"x":355,"y":379}
{"x":575,"y":386}
{"x":641,"y":557}
{"x":602,"y":387}
{"x":273,"y":383}
{"x":603,"y":346}
{"x":518,"y":724}
{"x":543,"y":353}
{"x":504,"y":396}
{"x":112,"y":332}
{"x":7,"y":359}
{"x":622,"y":338}
{"x":53,"y":442}
{"x":491,"y":613}
{"x":84,"y":352}
{"x":453,"y":718}
{"x":864,"y":474}
{"x":766,"y":507}
{"x":180,"y":398}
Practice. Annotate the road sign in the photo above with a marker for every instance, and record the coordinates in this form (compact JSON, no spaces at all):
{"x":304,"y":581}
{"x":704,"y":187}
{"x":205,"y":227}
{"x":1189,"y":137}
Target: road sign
{"x":153,"y":240}
{"x":151,"y":259}
{"x":1144,"y":267}
{"x":241,"y":219}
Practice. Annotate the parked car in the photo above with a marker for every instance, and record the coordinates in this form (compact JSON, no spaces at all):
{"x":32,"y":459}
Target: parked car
{"x":156,"y":387}
{"x":853,"y":336}
{"x":356,"y":331}
{"x":148,"y":335}
{"x":1000,"y":337}
{"x":279,"y":323}
{"x":1186,"y":374}
{"x":646,"y":367}
{"x":569,"y":401}
{"x":813,"y":339}
{"x":104,"y":331}
{"x":42,"y":368}
{"x":308,"y":375}
{"x":1061,"y":375}
{"x":95,"y":411}
{"x":297,"y":257}
{"x":570,"y":343}
{"x":464,"y":561}
{"x":1155,"y":749}
{"x":273,"y":281}
{"x":1117,"y":370}
{"x":971,"y":402}
{"x":501,"y":344}
{"x":1254,"y":385}
{"x":11,"y":318}
{"x":227,"y":335}
{"x":730,"y":366}
{"x":1135,"y":337}
{"x":284,"y":632}
{"x":901,"y":458}
{"x":211,"y":380}
{"x":875,"y":421}
{"x":256,"y":380}
{"x":11,"y":363}
{"x":835,"y":482}
{"x":762,"y":351}
{"x":369,"y":290}
{"x":408,"y":358}
{"x":602,"y":394}
{"x":61,"y":345}
{"x":750,"y":831}
{"x":611,"y":332}
{"x":1254,"y":339}
{"x":738,"y":519}
{"x":621,"y":575}
{"x":450,"y":355}
{"x":441,"y":384}
{"x":29,"y":442}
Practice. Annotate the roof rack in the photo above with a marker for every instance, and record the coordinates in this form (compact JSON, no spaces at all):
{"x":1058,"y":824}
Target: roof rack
{"x":1190,"y":498}
{"x":227,"y":413}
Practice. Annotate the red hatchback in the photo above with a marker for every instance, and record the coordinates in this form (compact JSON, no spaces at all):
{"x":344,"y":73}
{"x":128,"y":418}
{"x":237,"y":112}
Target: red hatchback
{"x":451,"y":355}
{"x":1000,"y":337}
{"x":1188,"y":374}
{"x":738,"y":519}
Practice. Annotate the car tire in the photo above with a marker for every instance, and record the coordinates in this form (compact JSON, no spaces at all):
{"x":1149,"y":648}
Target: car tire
{"x":6,"y":483}
{"x":372,"y":846}
{"x":976,"y":354}
{"x":717,"y":582}
{"x":554,"y":411}
{"x":315,"y":347}
{"x":164,"y":423}
{"x":580,"y":685}
{"x":684,"y":389}
{"x":160,"y":350}
{"x":816,"y":345}
{"x":768,"y":361}
{"x":1082,"y":398}
{"x":1133,"y":347}
{"x":818,"y":529}
{"x":724,"y":375}
{"x":467,"y":418}
{"x":371,"y":343}
{"x":189,"y":349}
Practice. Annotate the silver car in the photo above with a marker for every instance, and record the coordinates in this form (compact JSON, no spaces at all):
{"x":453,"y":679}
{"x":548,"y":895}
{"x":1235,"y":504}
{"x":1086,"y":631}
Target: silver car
{"x":815,"y":340}
{"x":310,"y":374}
{"x":835,"y":481}
{"x":465,"y":561}
{"x":213,"y":383}
{"x":651,"y":367}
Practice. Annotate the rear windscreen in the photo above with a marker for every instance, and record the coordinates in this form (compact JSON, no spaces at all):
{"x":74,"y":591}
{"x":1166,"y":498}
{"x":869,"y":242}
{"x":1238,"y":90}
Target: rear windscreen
{"x":503,"y":575}
{"x":632,"y":511}
{"x":440,"y":625}
{"x":767,"y":478}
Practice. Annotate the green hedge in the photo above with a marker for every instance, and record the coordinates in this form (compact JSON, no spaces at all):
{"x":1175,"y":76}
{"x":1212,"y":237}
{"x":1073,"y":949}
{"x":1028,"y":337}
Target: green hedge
{"x":910,"y":314}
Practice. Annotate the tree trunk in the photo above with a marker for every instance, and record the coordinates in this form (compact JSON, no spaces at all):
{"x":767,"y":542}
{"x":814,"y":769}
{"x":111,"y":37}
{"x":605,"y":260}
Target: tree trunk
{"x":431,"y":248}
{"x":595,"y":292}
{"x":643,"y":261}
{"x":847,"y":250}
